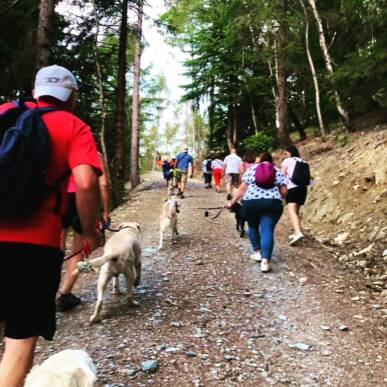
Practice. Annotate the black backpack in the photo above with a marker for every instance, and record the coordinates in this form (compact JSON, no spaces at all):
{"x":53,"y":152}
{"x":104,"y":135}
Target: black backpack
{"x":24,"y":156}
{"x":301,"y":173}
{"x":208,"y":165}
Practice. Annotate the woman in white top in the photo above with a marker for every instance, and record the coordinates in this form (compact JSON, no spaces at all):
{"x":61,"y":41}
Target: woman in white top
{"x":296,"y":194}
{"x":262,"y":208}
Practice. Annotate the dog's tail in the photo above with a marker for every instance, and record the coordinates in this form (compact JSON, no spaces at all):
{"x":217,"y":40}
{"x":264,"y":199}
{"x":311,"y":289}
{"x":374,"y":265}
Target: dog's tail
{"x":93,"y":264}
{"x":99,"y":261}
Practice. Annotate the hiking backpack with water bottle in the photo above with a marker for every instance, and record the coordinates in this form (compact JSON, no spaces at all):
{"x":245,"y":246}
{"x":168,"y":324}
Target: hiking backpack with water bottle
{"x":24,"y":156}
{"x":265,"y":174}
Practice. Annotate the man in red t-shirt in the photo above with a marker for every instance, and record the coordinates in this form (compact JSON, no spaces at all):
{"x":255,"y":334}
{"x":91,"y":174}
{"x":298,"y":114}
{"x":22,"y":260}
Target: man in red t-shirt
{"x":30,"y":255}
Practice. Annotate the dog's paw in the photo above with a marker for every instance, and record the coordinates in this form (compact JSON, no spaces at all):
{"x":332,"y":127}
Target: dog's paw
{"x":95,"y":319}
{"x":132,"y":303}
{"x":137,"y":282}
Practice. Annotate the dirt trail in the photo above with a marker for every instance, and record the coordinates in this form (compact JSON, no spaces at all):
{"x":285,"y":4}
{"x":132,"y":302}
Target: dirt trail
{"x":211,"y":318}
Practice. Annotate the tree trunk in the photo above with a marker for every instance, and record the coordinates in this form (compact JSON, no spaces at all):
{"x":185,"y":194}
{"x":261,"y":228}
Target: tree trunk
{"x":280,"y":56}
{"x":120,"y":94}
{"x":44,"y":33}
{"x":274,"y":92}
{"x":134,"y":155}
{"x":230,"y":128}
{"x":102,"y":101}
{"x":211,"y":111}
{"x":234,"y":125}
{"x":297,"y":123}
{"x":313,"y":71}
{"x":253,"y":116}
{"x":155,"y":152}
{"x":328,"y":64}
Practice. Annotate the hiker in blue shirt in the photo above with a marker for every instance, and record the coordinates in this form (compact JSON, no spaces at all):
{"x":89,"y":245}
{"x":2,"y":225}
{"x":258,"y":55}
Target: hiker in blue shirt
{"x":183,"y":162}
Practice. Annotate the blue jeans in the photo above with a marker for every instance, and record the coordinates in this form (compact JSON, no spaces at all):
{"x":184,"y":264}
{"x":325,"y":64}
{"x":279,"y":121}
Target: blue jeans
{"x":262,"y":215}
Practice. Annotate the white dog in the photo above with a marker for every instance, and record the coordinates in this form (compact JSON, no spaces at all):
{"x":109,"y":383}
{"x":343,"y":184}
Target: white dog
{"x":168,"y":218}
{"x":68,"y":368}
{"x":122,"y":254}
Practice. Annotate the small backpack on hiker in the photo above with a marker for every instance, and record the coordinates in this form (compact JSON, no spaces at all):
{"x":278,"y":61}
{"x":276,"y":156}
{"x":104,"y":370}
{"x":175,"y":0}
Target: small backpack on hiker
{"x":265,"y":174}
{"x":208,"y":166}
{"x":24,"y":157}
{"x":301,"y":174}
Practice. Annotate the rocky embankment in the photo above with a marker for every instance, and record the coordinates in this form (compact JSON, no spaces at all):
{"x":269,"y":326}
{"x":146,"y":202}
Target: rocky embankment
{"x":347,"y":208}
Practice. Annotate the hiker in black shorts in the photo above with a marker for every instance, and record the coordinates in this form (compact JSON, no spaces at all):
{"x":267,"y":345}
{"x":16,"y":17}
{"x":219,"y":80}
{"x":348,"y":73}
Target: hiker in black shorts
{"x":31,"y":258}
{"x":166,"y":168}
{"x":296,"y":192}
{"x":207,"y":171}
{"x":67,"y":300}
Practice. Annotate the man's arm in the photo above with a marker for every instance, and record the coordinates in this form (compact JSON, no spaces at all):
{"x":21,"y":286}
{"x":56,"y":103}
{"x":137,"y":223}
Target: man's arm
{"x":88,"y":202}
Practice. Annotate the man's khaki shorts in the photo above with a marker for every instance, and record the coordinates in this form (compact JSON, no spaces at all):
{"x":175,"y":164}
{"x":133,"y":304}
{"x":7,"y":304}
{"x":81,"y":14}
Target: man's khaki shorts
{"x":233,"y":179}
{"x":181,"y":176}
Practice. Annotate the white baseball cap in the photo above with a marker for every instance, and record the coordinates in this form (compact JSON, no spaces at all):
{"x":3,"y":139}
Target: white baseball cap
{"x":54,"y":81}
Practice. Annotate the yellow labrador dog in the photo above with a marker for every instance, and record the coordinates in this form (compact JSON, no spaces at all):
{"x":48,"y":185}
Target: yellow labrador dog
{"x":168,"y":219}
{"x":122,"y":254}
{"x":68,"y":368}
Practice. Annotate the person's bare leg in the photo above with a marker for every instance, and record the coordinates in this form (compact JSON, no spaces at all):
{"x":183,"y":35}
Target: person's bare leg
{"x":182,"y":185}
{"x":294,"y":209}
{"x":63,"y":236}
{"x":17,"y":361}
{"x":71,"y":265}
{"x":228,"y":188}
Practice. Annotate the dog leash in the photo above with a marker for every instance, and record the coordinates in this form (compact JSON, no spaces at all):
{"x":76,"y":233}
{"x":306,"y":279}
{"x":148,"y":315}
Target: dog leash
{"x":217,"y":214}
{"x":118,"y":229}
{"x":207,"y":211}
{"x":204,"y":208}
{"x":86,"y":250}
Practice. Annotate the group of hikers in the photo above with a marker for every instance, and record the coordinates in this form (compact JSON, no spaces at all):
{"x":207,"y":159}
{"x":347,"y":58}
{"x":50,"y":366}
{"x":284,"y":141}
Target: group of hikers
{"x":177,"y":170}
{"x":258,"y":186}
{"x":64,"y":186}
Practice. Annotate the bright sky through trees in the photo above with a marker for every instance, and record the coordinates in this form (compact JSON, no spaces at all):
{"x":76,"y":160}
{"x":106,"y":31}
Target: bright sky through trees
{"x":163,"y":58}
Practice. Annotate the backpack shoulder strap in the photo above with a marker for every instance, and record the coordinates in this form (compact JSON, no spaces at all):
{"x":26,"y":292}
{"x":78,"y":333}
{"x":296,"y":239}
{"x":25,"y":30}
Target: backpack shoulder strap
{"x":181,"y":158}
{"x":47,"y":109}
{"x":55,"y":187}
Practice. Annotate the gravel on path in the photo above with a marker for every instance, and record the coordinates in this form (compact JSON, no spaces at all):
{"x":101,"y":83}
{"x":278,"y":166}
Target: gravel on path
{"x":209,"y":317}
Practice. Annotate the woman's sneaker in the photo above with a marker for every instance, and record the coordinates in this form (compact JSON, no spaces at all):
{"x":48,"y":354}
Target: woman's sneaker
{"x":256,"y":256}
{"x":296,"y":238}
{"x":265,"y":265}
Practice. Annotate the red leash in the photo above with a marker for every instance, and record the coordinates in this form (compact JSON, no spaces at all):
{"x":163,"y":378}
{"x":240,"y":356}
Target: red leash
{"x":85,"y":251}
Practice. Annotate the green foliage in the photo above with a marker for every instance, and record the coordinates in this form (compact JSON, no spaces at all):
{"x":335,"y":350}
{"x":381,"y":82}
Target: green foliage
{"x":259,"y":142}
{"x":342,"y":138}
{"x":232,"y":46}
